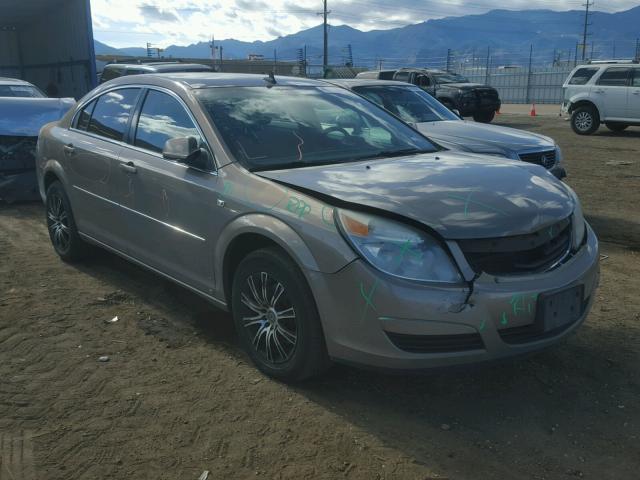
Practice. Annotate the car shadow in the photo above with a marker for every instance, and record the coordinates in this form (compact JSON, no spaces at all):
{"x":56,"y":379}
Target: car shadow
{"x":628,"y":133}
{"x":618,"y":231}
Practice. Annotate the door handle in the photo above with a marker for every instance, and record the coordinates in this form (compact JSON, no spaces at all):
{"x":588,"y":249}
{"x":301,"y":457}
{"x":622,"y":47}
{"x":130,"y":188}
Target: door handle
{"x":128,"y":167}
{"x":69,"y":149}
{"x":598,"y":91}
{"x":637,"y":92}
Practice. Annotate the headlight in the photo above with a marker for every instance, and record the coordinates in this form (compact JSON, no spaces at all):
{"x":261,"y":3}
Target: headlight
{"x":397,"y":249}
{"x":579,"y":226}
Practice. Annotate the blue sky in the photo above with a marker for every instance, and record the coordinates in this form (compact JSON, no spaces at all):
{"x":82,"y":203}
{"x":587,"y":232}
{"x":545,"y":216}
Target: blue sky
{"x":125,"y":23}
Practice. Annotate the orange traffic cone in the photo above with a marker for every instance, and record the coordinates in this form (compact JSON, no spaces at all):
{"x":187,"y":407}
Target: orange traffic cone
{"x":533,"y":110}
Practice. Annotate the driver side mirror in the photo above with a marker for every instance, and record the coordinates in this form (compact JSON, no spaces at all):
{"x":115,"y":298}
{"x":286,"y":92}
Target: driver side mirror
{"x":186,"y":150}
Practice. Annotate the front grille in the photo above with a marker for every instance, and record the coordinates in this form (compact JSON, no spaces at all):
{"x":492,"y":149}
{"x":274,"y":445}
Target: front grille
{"x":535,"y":331}
{"x":521,"y":254}
{"x":436,"y":343}
{"x":546,"y":158}
{"x":17,"y":154}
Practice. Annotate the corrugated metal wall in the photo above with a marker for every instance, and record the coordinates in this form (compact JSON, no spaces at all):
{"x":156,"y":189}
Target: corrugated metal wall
{"x":53,"y":50}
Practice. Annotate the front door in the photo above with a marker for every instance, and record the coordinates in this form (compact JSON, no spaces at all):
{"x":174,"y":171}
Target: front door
{"x":610,"y":93}
{"x":167,"y":206}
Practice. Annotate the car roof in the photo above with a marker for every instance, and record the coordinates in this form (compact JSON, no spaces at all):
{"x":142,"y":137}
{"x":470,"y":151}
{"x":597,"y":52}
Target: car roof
{"x":14,"y":81}
{"x":363,"y":82}
{"x":195,"y":80}
{"x":159,"y":66}
{"x":418,"y":69}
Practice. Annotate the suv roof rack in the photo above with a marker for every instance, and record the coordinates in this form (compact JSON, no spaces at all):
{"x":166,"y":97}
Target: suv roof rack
{"x":620,"y":61}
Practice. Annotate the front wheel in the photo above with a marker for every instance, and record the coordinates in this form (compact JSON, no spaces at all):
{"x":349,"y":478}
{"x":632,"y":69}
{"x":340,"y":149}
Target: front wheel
{"x":616,"y":127}
{"x":62,"y":226}
{"x":276,"y":317}
{"x":484,"y":117}
{"x":585,"y":120}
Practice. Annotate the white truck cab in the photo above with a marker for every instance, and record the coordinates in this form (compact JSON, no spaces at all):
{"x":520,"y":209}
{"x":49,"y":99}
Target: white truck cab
{"x":603,"y":92}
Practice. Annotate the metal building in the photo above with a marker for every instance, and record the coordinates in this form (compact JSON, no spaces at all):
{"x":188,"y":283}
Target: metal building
{"x":48,"y":43}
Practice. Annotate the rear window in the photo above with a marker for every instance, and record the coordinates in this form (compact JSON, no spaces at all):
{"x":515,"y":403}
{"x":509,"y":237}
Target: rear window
{"x":20,"y":91}
{"x":582,"y":76}
{"x":109,"y":73}
{"x":111,"y":113}
{"x":615,"y":77}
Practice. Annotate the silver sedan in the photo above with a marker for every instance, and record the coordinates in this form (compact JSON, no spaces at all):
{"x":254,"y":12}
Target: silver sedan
{"x":329,"y":228}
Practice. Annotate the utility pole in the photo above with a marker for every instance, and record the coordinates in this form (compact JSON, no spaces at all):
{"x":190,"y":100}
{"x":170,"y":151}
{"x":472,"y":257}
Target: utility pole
{"x":614,"y":49}
{"x":486,"y":75}
{"x":585,"y":33}
{"x":448,"y":60}
{"x":220,"y":47}
{"x":212,"y":46}
{"x":325,"y":57}
{"x":637,"y":49}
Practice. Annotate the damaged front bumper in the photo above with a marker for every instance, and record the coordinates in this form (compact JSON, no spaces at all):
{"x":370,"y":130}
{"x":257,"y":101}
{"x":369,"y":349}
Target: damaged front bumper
{"x":375,"y":320}
{"x":18,"y":181}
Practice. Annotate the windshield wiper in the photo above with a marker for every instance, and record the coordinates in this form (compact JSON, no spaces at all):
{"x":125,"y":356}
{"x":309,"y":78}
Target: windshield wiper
{"x":395,"y":153}
{"x":287,"y":165}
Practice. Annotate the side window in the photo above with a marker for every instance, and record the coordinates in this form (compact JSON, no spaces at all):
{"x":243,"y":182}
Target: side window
{"x":615,"y":77}
{"x":112,"y":111}
{"x":582,"y":76}
{"x":636,"y":77}
{"x":162,"y":117}
{"x":423,"y":81}
{"x":82,"y":121}
{"x":402,"y":76}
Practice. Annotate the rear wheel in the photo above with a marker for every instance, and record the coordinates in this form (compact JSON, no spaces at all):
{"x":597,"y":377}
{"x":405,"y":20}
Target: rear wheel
{"x":585,"y":120}
{"x":276,"y":318}
{"x":62,"y":226}
{"x":617,"y":127}
{"x":484,"y":117}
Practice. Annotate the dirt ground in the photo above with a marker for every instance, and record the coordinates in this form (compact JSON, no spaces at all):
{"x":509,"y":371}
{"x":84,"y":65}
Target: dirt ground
{"x":178,"y":397}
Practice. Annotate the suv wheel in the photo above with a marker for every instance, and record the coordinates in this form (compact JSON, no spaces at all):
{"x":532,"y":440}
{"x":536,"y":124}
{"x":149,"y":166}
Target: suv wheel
{"x":585,"y":120}
{"x":276,"y":318}
{"x":616,"y":127}
{"x":62,"y":226}
{"x":484,"y":117}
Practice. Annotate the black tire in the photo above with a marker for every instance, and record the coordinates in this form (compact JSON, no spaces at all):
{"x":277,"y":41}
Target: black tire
{"x":62,"y":226}
{"x":616,"y":127}
{"x":484,"y":117}
{"x":585,"y":120}
{"x":284,"y":337}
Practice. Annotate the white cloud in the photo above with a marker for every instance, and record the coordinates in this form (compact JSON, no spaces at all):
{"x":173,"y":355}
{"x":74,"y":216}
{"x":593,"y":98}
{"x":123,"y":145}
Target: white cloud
{"x":125,"y":23}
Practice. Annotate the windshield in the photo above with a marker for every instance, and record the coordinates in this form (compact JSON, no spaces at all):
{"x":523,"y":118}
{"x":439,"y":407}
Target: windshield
{"x":290,"y":127}
{"x":20,"y":91}
{"x":411,"y":104}
{"x":450,"y":78}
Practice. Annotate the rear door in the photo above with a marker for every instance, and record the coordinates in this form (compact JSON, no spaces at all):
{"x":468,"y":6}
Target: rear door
{"x":92,"y":146}
{"x":168,"y":207}
{"x":634,"y":97}
{"x":611,"y":93}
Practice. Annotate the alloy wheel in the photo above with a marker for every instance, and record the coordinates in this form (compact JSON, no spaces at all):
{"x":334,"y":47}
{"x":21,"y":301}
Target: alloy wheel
{"x":58,"y":223}
{"x":269,"y":318}
{"x":583,"y":121}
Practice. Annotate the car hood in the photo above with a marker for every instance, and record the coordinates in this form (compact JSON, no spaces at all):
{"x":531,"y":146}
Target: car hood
{"x":465,"y":86}
{"x":26,"y":116}
{"x":461,"y":196}
{"x":470,"y":133}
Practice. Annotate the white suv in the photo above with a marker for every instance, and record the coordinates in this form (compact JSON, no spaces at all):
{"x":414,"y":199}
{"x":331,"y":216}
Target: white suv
{"x":606,"y":93}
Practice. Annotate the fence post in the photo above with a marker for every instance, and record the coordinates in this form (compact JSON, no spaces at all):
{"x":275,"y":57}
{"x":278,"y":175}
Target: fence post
{"x":529,"y":75}
{"x":486,"y":75}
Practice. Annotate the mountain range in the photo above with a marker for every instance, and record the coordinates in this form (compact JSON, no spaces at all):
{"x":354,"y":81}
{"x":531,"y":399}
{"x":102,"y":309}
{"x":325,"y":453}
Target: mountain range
{"x":509,"y":34}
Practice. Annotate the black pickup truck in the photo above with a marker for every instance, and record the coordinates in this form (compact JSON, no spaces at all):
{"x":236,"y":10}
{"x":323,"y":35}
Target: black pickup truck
{"x":456,"y":92}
